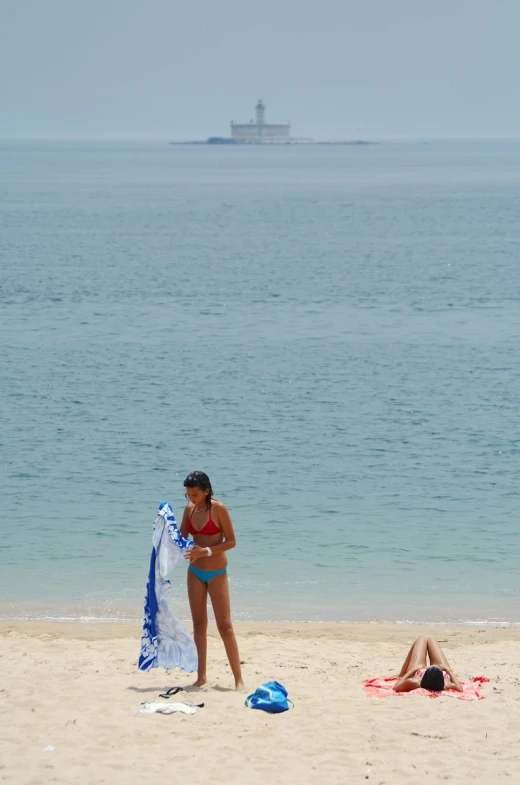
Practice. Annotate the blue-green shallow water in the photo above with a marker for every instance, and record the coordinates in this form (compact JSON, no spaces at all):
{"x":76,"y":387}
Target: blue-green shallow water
{"x":330,"y":332}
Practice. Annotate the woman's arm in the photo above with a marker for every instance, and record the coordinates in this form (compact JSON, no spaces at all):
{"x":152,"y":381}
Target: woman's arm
{"x":406,"y":683}
{"x":453,"y":683}
{"x":227,"y":530}
{"x":185,"y":522}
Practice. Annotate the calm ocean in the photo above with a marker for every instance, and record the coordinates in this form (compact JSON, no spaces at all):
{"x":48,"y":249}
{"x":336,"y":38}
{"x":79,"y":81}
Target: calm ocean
{"x":331,"y":333}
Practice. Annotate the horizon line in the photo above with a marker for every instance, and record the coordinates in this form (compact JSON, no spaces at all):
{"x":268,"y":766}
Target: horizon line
{"x":120,"y":136}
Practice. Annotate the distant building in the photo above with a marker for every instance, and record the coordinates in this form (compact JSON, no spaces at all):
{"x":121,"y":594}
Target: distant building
{"x":258,"y":130}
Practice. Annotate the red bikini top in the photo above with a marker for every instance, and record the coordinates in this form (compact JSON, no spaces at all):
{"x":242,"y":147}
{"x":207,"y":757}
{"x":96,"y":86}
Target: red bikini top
{"x":209,"y":528}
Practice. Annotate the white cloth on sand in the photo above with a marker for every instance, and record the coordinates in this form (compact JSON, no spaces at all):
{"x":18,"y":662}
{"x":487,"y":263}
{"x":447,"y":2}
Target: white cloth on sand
{"x":168,"y":708}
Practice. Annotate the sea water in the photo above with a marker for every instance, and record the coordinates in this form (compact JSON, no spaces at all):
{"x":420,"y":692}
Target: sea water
{"x":330,"y":332}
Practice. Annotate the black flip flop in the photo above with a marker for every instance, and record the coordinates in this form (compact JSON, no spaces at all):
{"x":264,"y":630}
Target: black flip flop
{"x":171,"y":692}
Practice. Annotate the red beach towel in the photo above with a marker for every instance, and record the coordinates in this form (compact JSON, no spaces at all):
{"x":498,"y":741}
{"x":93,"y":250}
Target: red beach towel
{"x":383,"y":688}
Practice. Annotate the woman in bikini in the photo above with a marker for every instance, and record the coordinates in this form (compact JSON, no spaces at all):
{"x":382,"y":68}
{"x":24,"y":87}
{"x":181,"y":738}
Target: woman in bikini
{"x":415,"y":672}
{"x":208,"y":521}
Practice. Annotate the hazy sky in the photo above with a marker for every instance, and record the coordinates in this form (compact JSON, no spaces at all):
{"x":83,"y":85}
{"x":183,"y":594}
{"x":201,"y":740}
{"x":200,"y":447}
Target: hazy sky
{"x":335,"y":68}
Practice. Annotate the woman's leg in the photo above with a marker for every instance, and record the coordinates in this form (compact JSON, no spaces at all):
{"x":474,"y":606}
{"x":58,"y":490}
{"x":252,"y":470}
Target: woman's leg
{"x":219,"y":594}
{"x":436,"y":654}
{"x":198,"y":596}
{"x":416,"y":657}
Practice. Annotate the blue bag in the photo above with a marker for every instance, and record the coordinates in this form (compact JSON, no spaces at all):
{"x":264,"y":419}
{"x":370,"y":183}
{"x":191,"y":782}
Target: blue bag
{"x":270,"y":696}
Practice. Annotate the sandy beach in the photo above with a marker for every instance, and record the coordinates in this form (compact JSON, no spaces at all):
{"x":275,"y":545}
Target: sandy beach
{"x":75,"y":688}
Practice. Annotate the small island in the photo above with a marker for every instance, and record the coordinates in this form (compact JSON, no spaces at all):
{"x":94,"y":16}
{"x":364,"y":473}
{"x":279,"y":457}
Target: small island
{"x":257,"y":131}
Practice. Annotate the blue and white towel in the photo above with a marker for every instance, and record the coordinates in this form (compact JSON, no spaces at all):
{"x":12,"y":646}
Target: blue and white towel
{"x":165,"y":642}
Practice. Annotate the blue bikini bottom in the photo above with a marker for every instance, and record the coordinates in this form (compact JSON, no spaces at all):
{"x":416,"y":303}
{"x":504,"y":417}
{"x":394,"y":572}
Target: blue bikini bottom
{"x":206,"y":575}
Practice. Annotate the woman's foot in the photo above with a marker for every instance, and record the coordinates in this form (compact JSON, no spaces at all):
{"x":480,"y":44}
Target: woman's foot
{"x":239,"y":685}
{"x":201,"y":682}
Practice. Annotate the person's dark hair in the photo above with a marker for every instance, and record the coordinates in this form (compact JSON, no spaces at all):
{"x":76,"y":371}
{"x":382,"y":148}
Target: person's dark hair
{"x":433,"y":679}
{"x":200,"y":480}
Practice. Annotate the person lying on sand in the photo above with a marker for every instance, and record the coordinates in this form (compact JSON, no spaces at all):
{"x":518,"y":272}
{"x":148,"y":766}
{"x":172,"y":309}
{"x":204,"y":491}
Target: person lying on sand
{"x":415,"y":672}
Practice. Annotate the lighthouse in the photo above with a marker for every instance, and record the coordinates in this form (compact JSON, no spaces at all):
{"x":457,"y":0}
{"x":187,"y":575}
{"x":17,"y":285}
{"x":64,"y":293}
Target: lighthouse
{"x":257,"y":131}
{"x":260,"y":112}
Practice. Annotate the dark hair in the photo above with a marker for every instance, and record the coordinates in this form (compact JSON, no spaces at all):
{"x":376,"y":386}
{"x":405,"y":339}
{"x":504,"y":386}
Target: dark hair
{"x":202,"y":481}
{"x":433,"y":679}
